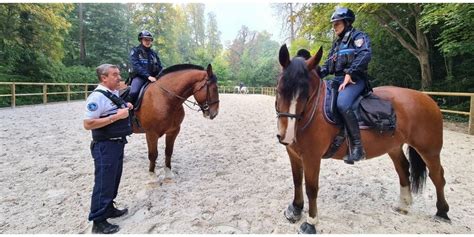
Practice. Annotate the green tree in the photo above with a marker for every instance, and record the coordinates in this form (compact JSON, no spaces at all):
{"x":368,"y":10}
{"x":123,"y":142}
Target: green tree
{"x":196,"y":19}
{"x":185,"y":46}
{"x":402,"y":21}
{"x":214,"y":45}
{"x":251,"y":58}
{"x":33,"y":36}
{"x":453,"y":19}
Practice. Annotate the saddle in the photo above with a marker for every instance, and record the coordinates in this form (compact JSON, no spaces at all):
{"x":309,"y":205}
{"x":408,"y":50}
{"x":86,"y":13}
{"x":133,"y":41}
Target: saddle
{"x":124,"y":94}
{"x":372,"y":112}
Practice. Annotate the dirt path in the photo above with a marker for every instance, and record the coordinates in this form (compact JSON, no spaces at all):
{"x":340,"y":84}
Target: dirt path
{"x":231,"y":176}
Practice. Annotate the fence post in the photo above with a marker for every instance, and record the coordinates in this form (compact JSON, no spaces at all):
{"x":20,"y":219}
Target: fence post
{"x":85,"y":92}
{"x":471,"y":117}
{"x":68,"y":92}
{"x":13,"y":95}
{"x":45,"y":94}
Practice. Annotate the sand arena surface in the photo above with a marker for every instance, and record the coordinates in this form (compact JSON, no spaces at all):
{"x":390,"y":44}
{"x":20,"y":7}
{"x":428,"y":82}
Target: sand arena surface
{"x":230,"y":176}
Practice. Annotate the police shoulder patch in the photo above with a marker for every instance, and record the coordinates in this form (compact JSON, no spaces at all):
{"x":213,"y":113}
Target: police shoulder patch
{"x":92,"y":106}
{"x":359,"y":42}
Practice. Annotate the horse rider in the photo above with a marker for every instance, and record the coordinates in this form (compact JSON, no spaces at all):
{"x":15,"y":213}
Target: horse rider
{"x":303,"y":53}
{"x":145,"y":64}
{"x":240,"y":86}
{"x":107,"y":116}
{"x":348,"y":60}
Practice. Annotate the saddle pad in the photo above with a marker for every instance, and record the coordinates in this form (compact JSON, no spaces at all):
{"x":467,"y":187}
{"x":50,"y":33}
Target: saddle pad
{"x":372,"y":105}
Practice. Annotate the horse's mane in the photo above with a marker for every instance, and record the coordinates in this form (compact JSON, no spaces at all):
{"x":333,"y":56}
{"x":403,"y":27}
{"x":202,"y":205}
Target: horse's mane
{"x":179,"y":67}
{"x":295,"y":78}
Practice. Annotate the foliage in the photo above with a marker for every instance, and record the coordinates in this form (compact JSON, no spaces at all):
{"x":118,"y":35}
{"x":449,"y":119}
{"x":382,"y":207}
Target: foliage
{"x":453,"y":19}
{"x":44,"y":42}
{"x":77,"y":74}
{"x":32,"y":38}
{"x":252,"y":58}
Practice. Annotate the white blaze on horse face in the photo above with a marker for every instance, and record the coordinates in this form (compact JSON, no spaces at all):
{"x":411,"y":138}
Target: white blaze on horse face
{"x":290,"y":127}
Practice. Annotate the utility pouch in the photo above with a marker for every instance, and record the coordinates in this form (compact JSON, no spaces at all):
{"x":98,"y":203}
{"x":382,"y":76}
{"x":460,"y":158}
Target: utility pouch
{"x":344,"y":59}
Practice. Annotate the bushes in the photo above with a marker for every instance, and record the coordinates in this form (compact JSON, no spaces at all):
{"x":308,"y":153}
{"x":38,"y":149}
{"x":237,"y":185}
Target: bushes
{"x":76,"y":74}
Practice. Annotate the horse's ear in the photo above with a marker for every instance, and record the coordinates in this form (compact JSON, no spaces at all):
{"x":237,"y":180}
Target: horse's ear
{"x":209,"y":70}
{"x":284,"y":56}
{"x":313,"y":62}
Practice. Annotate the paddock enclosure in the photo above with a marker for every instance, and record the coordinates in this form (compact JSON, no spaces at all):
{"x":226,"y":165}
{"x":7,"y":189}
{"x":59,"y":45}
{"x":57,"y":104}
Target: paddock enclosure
{"x":230,"y":176}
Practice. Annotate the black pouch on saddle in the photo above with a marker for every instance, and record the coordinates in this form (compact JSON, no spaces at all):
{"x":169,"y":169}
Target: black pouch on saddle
{"x":378,"y":113}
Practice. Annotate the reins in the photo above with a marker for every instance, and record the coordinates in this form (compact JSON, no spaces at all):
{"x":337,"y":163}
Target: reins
{"x":204,"y":107}
{"x":315,"y":106}
{"x":313,"y":111}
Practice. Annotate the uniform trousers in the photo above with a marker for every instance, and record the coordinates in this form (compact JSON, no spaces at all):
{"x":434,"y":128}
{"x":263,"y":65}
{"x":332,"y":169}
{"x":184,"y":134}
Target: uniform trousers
{"x":346,"y":97}
{"x":137,"y":84}
{"x":108,"y":163}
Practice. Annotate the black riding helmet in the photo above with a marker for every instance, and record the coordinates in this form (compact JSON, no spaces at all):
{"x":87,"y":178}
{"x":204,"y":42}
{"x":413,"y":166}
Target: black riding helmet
{"x":343,"y":14}
{"x":144,"y":34}
{"x":304,"y":54}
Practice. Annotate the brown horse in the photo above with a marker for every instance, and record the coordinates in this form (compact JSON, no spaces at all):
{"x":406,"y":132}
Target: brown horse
{"x":306,"y":134}
{"x":161,"y":111}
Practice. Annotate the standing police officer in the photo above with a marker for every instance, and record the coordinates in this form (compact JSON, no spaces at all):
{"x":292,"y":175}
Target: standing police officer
{"x":106,"y":115}
{"x":146,"y":64}
{"x":348,"y":61}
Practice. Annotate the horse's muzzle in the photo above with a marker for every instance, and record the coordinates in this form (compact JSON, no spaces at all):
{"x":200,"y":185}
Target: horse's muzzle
{"x":212,"y":116}
{"x":280,"y":141}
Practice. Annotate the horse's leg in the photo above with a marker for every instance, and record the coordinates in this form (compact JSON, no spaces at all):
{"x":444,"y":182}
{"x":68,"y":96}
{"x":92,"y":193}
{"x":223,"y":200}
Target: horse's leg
{"x":311,"y":168}
{"x":170,"y":139}
{"x":436,"y":173}
{"x":402,"y":167}
{"x":293,"y":212}
{"x":152,"y":143}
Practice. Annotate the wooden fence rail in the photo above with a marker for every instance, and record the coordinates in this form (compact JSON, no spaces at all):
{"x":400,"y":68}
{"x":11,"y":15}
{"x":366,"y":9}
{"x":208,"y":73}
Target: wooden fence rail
{"x":222,"y":89}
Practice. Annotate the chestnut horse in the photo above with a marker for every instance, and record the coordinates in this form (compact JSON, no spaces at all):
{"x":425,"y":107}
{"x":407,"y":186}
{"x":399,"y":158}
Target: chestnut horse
{"x":306,"y":134}
{"x":161,"y":111}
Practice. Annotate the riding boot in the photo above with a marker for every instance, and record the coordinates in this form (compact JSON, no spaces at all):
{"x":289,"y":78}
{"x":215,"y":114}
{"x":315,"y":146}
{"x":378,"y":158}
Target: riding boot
{"x":357,"y":152}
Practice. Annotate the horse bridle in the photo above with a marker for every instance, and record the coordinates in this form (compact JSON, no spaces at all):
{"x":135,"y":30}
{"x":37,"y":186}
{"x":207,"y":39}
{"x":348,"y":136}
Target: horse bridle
{"x":300,"y":116}
{"x":205,"y":107}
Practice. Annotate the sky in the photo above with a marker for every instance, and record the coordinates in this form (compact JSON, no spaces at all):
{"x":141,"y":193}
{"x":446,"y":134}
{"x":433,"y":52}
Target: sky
{"x":257,"y":16}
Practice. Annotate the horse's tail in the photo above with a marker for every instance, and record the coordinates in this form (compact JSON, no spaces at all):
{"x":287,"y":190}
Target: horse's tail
{"x":417,"y":171}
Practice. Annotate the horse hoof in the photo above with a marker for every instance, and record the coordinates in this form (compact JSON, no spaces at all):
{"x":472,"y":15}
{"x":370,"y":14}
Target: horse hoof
{"x":443,"y":217}
{"x":292,"y":213}
{"x":349,"y":162}
{"x":307,"y":228}
{"x":168,"y":173}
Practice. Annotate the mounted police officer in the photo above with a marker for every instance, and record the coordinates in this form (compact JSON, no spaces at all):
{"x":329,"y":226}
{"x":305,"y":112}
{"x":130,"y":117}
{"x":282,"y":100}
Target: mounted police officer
{"x":145,"y":64}
{"x":348,"y":60}
{"x":107,"y":116}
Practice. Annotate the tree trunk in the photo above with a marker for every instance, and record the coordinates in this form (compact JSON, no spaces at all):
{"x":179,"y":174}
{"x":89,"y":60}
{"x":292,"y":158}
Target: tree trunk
{"x":425,"y":70}
{"x":292,"y":23}
{"x":82,"y":47}
{"x":415,"y":42}
{"x":423,"y":51}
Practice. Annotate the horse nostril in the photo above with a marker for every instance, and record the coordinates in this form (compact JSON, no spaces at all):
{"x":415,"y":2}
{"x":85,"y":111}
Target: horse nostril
{"x":280,"y":141}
